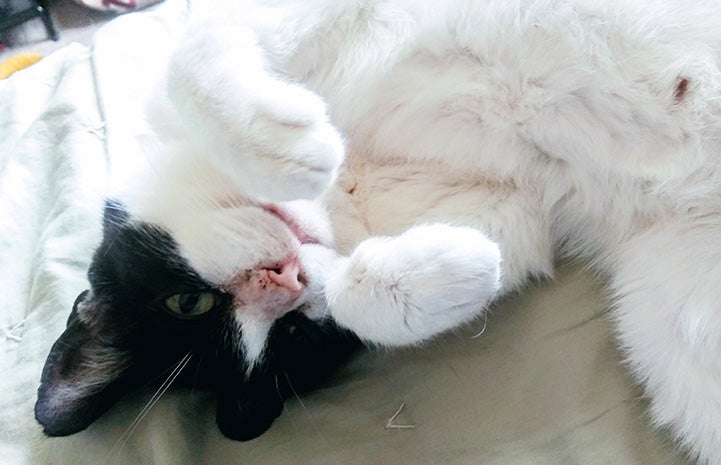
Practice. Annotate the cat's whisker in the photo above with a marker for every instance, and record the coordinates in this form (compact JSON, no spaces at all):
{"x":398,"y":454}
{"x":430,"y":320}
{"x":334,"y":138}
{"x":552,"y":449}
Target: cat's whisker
{"x":302,"y":404}
{"x":150,"y":404}
{"x":277,"y":387}
{"x":197,"y":372}
{"x":483,"y":330}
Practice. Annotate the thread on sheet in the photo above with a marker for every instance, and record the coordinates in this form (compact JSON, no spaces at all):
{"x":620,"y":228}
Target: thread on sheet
{"x":390,"y":424}
{"x":8,"y":333}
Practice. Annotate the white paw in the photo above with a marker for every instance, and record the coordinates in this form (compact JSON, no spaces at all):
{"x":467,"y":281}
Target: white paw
{"x":294,"y":144}
{"x":272,"y":138}
{"x":404,"y":290}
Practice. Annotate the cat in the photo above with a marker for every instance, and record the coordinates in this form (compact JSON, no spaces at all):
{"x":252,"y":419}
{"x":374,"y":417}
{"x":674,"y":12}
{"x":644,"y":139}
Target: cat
{"x":384,"y":170}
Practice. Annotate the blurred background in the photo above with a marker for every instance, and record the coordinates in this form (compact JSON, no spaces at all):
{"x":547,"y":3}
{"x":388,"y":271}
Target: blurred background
{"x":72,"y":21}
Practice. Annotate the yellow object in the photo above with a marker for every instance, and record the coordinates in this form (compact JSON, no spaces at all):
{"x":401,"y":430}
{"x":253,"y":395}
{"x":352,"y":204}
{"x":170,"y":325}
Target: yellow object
{"x":17,"y":63}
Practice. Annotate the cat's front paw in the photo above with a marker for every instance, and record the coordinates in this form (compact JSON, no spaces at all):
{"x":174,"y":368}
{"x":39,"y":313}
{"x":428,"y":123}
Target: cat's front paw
{"x":272,"y":138}
{"x":404,"y":290}
{"x":295,"y":150}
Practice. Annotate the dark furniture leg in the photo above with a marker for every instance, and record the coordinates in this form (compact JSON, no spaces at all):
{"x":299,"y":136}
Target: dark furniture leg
{"x":44,"y":12}
{"x":34,"y":9}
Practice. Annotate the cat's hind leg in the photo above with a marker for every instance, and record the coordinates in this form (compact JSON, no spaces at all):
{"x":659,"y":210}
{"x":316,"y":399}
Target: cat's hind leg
{"x":668,"y":315}
{"x":403,"y":290}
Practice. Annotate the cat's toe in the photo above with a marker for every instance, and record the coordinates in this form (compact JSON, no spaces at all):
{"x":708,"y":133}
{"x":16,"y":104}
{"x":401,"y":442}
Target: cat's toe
{"x":292,"y":105}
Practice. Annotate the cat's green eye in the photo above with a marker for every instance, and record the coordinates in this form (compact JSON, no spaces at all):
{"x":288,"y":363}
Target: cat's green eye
{"x":192,"y":304}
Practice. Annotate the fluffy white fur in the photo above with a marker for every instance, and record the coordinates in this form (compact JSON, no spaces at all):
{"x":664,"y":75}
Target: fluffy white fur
{"x":527,"y":127}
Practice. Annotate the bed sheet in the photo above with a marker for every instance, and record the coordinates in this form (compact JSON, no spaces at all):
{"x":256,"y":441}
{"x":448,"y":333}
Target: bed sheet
{"x":543,"y":383}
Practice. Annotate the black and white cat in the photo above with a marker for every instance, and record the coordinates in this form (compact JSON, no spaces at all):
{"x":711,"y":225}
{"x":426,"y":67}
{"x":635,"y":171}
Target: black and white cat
{"x":458,"y":147}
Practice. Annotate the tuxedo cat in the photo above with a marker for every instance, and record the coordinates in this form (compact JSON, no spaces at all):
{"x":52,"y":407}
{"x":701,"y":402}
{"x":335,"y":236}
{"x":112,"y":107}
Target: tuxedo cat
{"x":388,"y":168}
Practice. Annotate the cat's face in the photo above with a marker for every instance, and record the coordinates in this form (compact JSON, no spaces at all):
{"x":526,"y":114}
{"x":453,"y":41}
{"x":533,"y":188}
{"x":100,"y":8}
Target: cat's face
{"x":201,"y":279}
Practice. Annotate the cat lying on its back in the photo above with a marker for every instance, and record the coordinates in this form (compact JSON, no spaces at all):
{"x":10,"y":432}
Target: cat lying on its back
{"x":475,"y":132}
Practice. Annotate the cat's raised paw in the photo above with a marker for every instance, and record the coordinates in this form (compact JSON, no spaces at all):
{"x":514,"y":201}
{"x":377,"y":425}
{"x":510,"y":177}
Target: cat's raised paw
{"x":403,"y":290}
{"x":295,"y":146}
{"x":272,"y":138}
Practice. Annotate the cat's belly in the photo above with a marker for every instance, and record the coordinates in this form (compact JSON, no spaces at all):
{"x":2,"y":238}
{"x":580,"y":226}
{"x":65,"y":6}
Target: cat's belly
{"x":373,"y":199}
{"x":387,"y":199}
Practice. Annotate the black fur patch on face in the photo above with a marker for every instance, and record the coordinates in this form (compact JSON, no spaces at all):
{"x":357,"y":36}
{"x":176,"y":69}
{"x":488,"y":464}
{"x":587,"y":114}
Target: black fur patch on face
{"x":121,"y":335}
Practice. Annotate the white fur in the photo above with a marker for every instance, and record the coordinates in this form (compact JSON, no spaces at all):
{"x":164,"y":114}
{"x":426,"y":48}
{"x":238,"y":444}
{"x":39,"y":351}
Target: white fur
{"x":403,"y":290}
{"x":579,"y":128}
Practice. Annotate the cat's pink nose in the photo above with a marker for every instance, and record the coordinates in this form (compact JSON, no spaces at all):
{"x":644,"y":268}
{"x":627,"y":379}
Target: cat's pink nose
{"x":287,"y":275}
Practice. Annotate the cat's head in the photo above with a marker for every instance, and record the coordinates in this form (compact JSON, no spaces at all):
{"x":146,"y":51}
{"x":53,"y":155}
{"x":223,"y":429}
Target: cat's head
{"x":203,"y":286}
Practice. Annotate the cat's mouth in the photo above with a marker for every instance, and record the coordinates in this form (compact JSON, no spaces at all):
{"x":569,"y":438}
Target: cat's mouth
{"x":301,"y":234}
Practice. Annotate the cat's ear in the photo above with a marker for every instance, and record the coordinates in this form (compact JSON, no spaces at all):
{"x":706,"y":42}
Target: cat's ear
{"x":114,"y":216}
{"x":83,"y":375}
{"x":247,"y":411}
